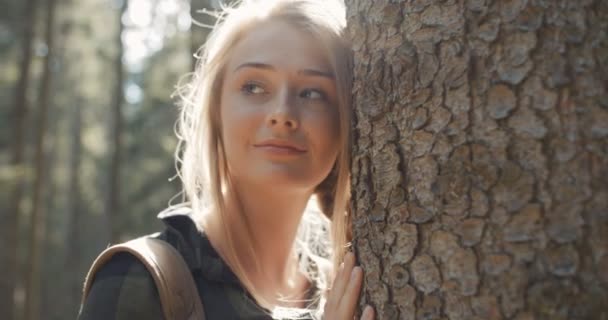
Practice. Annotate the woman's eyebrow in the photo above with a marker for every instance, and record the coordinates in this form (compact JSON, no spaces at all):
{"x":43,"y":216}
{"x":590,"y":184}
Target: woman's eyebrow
{"x":306,"y":72}
{"x":316,"y":73}
{"x":255,"y":65}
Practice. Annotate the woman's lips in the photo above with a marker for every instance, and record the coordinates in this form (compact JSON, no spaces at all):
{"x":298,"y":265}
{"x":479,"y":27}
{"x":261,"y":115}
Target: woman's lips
{"x":280,"y":150}
{"x":281,"y":147}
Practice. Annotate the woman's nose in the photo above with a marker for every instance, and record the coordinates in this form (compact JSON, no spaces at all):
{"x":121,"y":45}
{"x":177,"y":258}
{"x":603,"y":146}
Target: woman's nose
{"x":283,"y":113}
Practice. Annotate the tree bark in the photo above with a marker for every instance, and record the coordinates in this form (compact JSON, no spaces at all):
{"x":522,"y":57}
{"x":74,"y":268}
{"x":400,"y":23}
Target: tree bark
{"x":10,"y":216}
{"x":480,"y":158}
{"x":112,"y":208}
{"x":37,"y":223}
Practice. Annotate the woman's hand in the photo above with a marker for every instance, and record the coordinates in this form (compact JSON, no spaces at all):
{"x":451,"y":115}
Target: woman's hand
{"x":343,"y":297}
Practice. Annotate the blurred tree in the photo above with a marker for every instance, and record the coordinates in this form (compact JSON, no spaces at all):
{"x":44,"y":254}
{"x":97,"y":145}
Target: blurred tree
{"x":11,"y":213}
{"x":480,"y":160}
{"x":84,"y":52}
{"x":151,"y":164}
{"x":73,"y":237}
{"x":113,"y":210}
{"x":37,"y":221}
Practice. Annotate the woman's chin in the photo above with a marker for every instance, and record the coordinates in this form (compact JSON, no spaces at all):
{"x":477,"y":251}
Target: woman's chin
{"x":284,"y":179}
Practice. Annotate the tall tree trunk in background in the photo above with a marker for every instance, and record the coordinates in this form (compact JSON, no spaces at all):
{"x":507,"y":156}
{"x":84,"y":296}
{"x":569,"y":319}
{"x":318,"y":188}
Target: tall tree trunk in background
{"x":10,"y":214}
{"x":70,"y":259}
{"x":112,"y":208}
{"x":37,"y":218}
{"x":480,"y":158}
{"x":73,"y":239}
{"x":47,"y":306}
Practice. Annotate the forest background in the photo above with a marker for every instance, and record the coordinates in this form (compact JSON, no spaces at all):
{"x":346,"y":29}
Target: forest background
{"x":87,"y":136}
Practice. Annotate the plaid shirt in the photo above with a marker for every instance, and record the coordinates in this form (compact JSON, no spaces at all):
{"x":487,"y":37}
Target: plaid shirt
{"x":123,"y":288}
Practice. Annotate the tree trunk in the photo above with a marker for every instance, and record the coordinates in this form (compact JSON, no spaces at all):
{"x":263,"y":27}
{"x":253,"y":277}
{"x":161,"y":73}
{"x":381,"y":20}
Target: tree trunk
{"x":48,"y":289}
{"x":480,"y":158}
{"x":37,"y":219}
{"x":112,"y":207}
{"x":73,"y":238}
{"x":10,"y":216}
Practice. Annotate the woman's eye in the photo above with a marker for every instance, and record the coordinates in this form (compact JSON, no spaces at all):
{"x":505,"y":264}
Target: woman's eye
{"x":313,"y":94}
{"x":252,"y":88}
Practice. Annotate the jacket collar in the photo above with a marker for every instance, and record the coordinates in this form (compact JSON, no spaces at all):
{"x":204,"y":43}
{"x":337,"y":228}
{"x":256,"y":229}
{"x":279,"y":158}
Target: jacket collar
{"x":200,"y":256}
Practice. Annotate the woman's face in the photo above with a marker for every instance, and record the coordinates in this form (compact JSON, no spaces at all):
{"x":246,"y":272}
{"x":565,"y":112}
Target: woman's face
{"x":279,"y":111}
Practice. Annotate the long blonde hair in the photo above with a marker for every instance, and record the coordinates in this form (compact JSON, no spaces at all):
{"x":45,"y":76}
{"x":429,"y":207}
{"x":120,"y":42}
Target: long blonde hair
{"x":200,"y":156}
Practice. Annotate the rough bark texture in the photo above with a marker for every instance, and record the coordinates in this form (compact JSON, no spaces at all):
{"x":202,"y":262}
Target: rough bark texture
{"x":480,"y":161}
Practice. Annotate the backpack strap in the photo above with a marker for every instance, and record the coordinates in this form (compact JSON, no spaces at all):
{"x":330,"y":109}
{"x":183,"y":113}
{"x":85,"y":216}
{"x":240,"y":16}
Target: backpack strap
{"x":176,"y":288}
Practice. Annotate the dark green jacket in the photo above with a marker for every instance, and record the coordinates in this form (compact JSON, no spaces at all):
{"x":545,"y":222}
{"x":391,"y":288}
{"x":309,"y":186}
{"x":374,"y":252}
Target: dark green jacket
{"x":124,"y":290}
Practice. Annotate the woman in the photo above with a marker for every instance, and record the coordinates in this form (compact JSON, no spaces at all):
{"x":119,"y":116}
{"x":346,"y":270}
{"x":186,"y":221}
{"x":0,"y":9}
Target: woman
{"x":264,"y":130}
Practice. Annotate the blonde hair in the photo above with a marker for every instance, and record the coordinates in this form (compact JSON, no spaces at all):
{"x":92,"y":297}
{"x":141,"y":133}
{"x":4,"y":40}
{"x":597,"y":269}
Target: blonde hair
{"x":200,"y":155}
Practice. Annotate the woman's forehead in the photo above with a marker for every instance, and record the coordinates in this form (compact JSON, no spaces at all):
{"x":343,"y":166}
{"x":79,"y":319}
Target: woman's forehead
{"x":281,"y":45}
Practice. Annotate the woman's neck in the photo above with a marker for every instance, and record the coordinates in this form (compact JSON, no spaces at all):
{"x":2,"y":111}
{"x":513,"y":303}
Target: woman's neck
{"x":272,"y":220}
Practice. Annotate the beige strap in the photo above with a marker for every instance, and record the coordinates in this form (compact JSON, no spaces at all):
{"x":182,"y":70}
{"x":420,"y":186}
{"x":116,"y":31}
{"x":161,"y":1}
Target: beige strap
{"x":176,"y":287}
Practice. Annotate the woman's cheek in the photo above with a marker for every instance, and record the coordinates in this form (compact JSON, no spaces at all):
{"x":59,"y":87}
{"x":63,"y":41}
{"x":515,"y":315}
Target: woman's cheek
{"x":329,"y":120}
{"x":325,"y":127}
{"x":240,"y":111}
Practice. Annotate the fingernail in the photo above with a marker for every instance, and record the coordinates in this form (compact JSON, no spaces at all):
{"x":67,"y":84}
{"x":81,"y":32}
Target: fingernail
{"x":367,"y":313}
{"x":354,"y":273}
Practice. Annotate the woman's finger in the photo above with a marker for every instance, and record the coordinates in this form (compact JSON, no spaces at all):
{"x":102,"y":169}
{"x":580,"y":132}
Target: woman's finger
{"x":342,"y":279}
{"x":332,"y":298}
{"x":368,"y":313}
{"x":351,"y":295}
